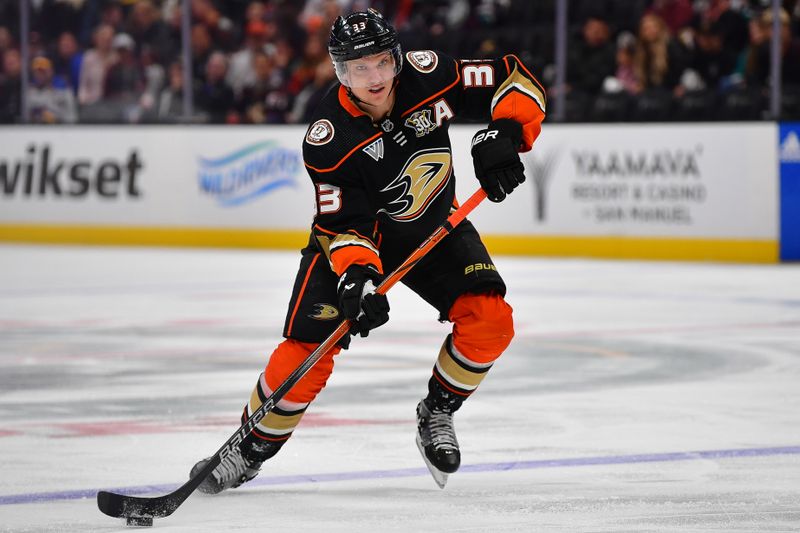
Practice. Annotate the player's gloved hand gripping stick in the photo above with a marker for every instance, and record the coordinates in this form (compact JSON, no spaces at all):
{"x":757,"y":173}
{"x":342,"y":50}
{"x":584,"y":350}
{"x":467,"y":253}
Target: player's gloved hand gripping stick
{"x":141,"y":510}
{"x":496,"y":159}
{"x":359,"y":302}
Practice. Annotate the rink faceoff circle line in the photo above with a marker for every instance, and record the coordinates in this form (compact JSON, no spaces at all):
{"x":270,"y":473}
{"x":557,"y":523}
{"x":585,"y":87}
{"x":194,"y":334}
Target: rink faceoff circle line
{"x":43,"y":497}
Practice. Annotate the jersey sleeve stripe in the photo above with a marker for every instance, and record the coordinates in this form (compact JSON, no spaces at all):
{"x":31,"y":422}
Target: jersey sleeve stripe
{"x":349,"y":240}
{"x":520,"y":99}
{"x":348,"y":154}
{"x":517,"y":81}
{"x":519,"y":63}
{"x":522,"y":89}
{"x":354,"y":232}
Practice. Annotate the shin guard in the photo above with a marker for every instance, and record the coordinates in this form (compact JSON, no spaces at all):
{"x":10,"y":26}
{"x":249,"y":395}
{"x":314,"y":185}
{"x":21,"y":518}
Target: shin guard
{"x":277,"y":426}
{"x":482,"y":329}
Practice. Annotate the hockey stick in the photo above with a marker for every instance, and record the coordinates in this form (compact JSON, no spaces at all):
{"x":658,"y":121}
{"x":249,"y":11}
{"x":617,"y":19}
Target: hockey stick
{"x":141,"y":511}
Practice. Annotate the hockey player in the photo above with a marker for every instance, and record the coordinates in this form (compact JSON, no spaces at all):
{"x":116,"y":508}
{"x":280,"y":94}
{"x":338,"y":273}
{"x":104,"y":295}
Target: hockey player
{"x":379,"y":155}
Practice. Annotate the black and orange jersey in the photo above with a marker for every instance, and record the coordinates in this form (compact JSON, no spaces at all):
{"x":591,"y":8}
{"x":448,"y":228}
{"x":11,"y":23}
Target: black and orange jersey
{"x":383,"y":188}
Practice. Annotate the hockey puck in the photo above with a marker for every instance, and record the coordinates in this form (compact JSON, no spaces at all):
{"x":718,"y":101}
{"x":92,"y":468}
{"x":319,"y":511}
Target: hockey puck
{"x":143,"y":521}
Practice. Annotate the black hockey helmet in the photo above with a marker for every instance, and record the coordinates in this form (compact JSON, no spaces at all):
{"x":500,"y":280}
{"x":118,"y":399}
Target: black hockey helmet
{"x":362,"y":34}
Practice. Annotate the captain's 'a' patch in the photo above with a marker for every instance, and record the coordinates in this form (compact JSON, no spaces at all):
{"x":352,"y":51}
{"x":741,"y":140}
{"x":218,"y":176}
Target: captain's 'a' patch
{"x":423,"y":60}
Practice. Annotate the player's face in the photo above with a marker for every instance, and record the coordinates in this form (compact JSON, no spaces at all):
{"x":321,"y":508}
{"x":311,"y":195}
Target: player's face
{"x":371,"y":77}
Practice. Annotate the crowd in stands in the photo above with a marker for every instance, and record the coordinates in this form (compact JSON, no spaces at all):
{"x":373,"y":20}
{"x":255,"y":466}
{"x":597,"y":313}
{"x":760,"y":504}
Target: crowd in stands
{"x":683,"y":60}
{"x":266,"y":61}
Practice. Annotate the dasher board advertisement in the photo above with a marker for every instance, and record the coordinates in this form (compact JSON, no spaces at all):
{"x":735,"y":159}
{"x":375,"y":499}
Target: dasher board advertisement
{"x":156,"y":176}
{"x":789,"y":156}
{"x":670,"y":180}
{"x":662,"y":191}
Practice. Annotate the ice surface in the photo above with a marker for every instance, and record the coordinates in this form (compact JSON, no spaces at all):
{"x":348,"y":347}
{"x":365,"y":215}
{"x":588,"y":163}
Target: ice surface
{"x":636,"y":396}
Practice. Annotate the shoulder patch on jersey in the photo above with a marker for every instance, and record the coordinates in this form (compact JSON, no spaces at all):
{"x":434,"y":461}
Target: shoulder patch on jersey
{"x":423,"y":60}
{"x":320,"y":132}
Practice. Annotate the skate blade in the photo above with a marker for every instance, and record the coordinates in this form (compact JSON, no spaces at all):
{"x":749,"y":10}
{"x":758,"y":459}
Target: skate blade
{"x":438,"y":476}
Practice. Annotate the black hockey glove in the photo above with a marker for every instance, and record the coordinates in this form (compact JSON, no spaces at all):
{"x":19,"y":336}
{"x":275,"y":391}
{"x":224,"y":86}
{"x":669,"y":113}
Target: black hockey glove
{"x":497,"y":163}
{"x":358,"y":300}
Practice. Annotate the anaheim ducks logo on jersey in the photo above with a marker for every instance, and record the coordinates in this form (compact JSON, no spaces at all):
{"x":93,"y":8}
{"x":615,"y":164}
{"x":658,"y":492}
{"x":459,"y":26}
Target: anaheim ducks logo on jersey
{"x":424,"y":176}
{"x":324,"y":312}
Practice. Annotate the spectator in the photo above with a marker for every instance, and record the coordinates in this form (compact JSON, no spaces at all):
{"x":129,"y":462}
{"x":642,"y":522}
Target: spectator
{"x":318,"y":15}
{"x":712,"y":61}
{"x":314,"y":53}
{"x":173,"y":21}
{"x":201,"y":50}
{"x":592,"y":58}
{"x":148,"y":30}
{"x":213,"y":96}
{"x":95,"y":64}
{"x":241,"y":72}
{"x":625,"y":78}
{"x":758,"y":67}
{"x":67,"y":62}
{"x":731,"y":24}
{"x":255,"y":12}
{"x":48,"y":104}
{"x":279,"y":101}
{"x":676,"y":14}
{"x":286,"y":16}
{"x":154,"y":80}
{"x":678,"y":39}
{"x":312,"y":95}
{"x":112,"y":15}
{"x":659,"y":59}
{"x":11,"y":87}
{"x":50,"y":18}
{"x":36,"y":44}
{"x":220,"y":29}
{"x":285,"y":60}
{"x":6,"y":42}
{"x":124,"y":80}
{"x":170,"y":100}
{"x":252,"y":101}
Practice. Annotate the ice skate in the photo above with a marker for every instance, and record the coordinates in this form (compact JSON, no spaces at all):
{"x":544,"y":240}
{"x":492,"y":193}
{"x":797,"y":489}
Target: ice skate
{"x":236,"y":468}
{"x":436,"y":440}
{"x":229,"y":474}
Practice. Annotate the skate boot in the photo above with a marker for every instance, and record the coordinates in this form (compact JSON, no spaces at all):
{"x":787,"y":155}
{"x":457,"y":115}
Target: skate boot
{"x":436,"y":435}
{"x":238,"y":467}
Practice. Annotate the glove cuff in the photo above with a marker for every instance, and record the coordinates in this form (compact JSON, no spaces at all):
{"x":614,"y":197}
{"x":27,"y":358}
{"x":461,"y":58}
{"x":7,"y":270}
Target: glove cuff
{"x":369,"y":271}
{"x":510,"y":129}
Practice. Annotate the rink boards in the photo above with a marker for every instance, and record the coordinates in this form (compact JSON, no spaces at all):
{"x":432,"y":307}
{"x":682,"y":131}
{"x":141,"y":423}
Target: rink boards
{"x":667,"y":191}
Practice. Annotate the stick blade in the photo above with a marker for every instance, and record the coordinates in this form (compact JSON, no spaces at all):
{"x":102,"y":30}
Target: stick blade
{"x":121,"y":506}
{"x":110,"y":503}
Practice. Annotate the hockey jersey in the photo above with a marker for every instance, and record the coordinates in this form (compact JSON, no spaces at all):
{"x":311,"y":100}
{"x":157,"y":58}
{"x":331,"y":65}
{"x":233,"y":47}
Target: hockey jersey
{"x":383,"y":188}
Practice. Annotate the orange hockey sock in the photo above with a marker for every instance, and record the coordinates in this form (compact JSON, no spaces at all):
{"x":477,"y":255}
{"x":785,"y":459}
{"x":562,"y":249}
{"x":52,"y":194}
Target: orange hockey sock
{"x":280,"y":422}
{"x":482,"y":329}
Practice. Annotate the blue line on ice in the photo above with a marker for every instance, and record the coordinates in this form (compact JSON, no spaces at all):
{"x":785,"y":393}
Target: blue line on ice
{"x":41,"y":497}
